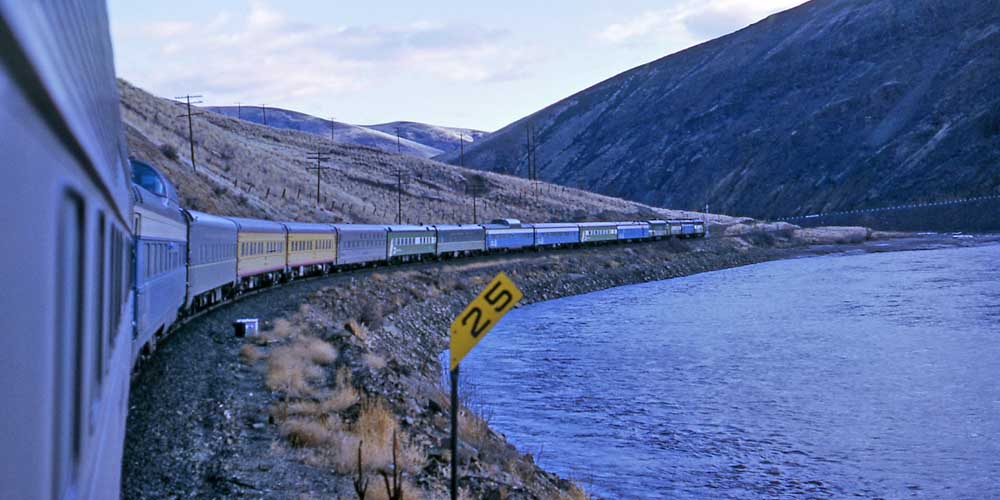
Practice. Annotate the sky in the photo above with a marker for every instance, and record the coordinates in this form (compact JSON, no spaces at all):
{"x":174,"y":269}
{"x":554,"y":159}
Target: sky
{"x":473,"y":64}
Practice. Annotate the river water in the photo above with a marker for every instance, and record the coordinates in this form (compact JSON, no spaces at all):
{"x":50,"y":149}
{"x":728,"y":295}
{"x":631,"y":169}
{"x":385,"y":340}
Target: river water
{"x":871,"y":376}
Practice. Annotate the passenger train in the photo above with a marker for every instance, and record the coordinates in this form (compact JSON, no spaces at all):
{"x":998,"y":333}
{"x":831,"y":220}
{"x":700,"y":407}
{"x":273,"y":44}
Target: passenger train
{"x":99,"y":260}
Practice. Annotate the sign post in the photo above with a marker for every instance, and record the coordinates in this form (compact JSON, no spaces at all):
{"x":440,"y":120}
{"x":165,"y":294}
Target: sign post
{"x":481,"y":315}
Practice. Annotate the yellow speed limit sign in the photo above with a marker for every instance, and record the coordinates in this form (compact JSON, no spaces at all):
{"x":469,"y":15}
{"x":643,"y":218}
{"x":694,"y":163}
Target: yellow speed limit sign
{"x":499,"y":297}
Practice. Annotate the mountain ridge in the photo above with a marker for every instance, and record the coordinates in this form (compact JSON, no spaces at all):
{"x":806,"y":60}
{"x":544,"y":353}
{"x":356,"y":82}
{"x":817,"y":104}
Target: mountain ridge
{"x":832,"y":105}
{"x":416,"y":139}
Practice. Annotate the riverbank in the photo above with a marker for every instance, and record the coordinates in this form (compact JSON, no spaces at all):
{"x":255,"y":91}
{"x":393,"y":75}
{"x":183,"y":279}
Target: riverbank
{"x":350,"y":358}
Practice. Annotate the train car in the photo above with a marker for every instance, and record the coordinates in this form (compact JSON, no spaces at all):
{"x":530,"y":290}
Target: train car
{"x":629,"y":231}
{"x":66,"y":258}
{"x":160,"y":229}
{"x":458,"y":240}
{"x":687,"y":228}
{"x":211,"y":259}
{"x":555,"y":234}
{"x":312,"y":248}
{"x":658,"y":229}
{"x":406,"y":242}
{"x":260,"y":252}
{"x":360,"y":244}
{"x":508,"y":234}
{"x":676,"y":227}
{"x":592,"y":232}
{"x":699,"y":229}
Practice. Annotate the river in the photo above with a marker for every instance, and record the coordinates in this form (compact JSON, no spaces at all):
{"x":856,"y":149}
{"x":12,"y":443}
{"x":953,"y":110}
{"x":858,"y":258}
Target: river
{"x":871,"y":376}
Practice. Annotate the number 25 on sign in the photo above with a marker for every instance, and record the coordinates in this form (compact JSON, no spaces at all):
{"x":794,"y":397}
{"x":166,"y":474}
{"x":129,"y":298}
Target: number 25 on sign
{"x":499,"y":297}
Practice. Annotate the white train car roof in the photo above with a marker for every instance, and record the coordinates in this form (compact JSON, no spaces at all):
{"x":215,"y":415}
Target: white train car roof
{"x":554,"y":225}
{"x":257,"y":225}
{"x":397,"y":228}
{"x":206,"y":219}
{"x":353,"y":228}
{"x":309,"y":227}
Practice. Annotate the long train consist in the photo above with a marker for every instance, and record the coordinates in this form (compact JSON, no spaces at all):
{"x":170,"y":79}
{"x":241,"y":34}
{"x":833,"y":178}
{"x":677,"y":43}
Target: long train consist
{"x":188,"y":260}
{"x":97,"y":267}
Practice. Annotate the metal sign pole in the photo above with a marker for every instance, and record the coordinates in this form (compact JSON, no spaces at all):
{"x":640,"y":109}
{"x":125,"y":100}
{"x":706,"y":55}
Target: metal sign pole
{"x":454,"y":434}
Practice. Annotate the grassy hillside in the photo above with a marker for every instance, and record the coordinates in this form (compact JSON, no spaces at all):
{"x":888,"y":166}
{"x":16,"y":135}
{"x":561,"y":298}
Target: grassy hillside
{"x":246,"y":169}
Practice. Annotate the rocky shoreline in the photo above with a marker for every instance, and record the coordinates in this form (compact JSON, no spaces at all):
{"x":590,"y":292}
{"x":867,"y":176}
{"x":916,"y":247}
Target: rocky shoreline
{"x":350,"y":361}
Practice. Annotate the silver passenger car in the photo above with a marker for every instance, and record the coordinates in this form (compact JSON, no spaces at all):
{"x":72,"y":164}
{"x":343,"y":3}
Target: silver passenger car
{"x":361,"y":243}
{"x":460,"y":239}
{"x":211,"y":259}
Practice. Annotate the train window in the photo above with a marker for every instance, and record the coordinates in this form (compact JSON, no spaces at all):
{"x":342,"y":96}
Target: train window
{"x":69,"y":321}
{"x":97,"y":293}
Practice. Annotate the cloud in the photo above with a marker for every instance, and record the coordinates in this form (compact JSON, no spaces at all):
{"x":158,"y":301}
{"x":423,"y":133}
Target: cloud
{"x":263,"y":55}
{"x":692,"y":21}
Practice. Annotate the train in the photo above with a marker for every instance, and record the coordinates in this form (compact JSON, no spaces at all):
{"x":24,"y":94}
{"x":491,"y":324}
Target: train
{"x":188,"y":260}
{"x":101,"y":261}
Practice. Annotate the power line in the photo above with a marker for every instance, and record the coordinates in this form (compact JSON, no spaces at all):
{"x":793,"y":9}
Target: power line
{"x":189,"y":115}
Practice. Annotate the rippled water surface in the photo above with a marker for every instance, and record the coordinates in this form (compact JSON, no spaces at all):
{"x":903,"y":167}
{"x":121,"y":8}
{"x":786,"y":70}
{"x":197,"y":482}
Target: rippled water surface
{"x":869,"y":376}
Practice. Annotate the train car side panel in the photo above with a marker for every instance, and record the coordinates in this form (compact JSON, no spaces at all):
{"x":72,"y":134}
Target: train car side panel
{"x":360,"y":243}
{"x":211,"y":258}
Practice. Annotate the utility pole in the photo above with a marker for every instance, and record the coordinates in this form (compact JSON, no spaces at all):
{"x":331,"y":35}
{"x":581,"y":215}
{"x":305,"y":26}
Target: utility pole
{"x":320,"y":157}
{"x":189,"y":115}
{"x":239,"y":111}
{"x":333,"y":124}
{"x":399,"y":183}
{"x":461,"y":149}
{"x":400,"y":179}
{"x":534,"y":157}
{"x":527,"y":148}
{"x":263,"y":112}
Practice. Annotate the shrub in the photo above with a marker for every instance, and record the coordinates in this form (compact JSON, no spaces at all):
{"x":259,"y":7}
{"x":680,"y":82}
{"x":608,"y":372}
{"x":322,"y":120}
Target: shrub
{"x":249,"y":354}
{"x":169,"y":151}
{"x":305,"y":433}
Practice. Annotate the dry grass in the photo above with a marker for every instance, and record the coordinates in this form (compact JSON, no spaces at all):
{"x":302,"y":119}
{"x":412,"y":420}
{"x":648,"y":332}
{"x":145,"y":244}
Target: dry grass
{"x":250,"y":354}
{"x":344,"y":394}
{"x":357,"y":329}
{"x":473,"y":428}
{"x":376,"y":491}
{"x":306,"y":433}
{"x":575,"y":493}
{"x":293,"y":369}
{"x":374,"y":361}
{"x":373,"y":432}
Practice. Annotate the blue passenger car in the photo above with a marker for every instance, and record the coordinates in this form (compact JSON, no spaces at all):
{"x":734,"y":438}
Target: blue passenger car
{"x":633,"y":230}
{"x":508,"y":234}
{"x":160,"y":255}
{"x":555,"y":234}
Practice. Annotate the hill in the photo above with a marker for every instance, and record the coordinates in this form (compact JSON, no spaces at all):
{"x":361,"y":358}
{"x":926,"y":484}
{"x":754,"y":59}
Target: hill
{"x":245,"y":169}
{"x":416,"y":139}
{"x":445,"y":139}
{"x":833,"y":105}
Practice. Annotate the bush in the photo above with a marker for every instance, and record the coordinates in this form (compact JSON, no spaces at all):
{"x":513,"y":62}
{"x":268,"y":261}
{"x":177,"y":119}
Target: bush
{"x":169,"y":151}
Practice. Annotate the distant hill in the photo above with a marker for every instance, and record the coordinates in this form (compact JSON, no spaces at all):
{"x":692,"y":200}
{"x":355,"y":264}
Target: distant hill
{"x":833,"y":105}
{"x":250,"y":170}
{"x":416,"y":139}
{"x":445,"y":139}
